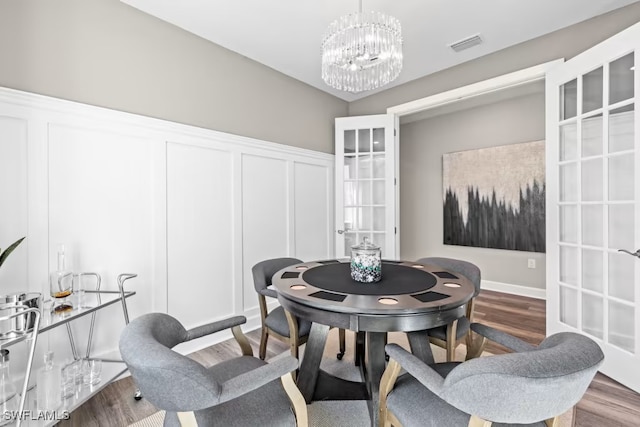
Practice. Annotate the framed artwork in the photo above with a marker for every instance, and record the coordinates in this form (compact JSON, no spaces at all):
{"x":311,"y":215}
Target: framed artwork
{"x":495,"y":197}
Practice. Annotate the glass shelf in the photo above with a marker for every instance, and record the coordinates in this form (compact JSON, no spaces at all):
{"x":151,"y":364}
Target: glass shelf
{"x":112,"y":367}
{"x":90,"y":302}
{"x":110,"y":371}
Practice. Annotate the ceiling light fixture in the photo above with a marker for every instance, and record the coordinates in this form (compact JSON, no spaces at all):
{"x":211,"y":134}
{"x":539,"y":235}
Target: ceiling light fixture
{"x":362,"y":51}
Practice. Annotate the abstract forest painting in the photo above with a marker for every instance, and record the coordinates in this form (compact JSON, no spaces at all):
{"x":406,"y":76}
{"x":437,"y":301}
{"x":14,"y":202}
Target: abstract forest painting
{"x":495,"y":197}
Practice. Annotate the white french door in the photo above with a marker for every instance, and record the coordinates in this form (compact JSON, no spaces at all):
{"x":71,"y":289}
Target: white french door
{"x":366,"y":199}
{"x":593,"y":188}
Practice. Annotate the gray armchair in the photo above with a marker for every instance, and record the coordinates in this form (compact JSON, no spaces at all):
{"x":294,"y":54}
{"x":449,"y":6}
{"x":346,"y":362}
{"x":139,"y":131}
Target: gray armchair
{"x":238,"y":392}
{"x":451,"y":335}
{"x":279,"y":323}
{"x":532,"y":386}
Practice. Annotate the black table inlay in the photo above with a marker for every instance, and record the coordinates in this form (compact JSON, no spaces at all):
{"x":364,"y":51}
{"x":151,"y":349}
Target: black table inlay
{"x":328,"y":295}
{"x":430,"y":296}
{"x":445,"y":275}
{"x":290,"y":274}
{"x":396,"y":280}
{"x":329,"y":261}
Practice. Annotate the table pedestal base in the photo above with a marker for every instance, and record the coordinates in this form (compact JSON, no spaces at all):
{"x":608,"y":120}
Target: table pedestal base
{"x":315,"y":384}
{"x":329,"y":387}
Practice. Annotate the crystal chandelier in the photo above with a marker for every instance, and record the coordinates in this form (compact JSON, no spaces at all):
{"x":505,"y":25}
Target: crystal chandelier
{"x":362,"y":51}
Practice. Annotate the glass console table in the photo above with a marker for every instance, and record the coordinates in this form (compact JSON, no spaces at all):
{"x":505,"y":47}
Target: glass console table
{"x":112,"y":366}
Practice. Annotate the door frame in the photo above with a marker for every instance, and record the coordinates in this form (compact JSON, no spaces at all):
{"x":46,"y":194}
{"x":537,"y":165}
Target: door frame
{"x":485,"y":87}
{"x":391,"y":247}
{"x":493,"y":85}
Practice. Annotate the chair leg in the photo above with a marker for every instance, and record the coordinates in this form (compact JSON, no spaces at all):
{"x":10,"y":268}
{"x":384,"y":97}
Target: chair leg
{"x":187,"y":419}
{"x":451,"y":341}
{"x":388,"y":380}
{"x":293,"y":333}
{"x":242,"y":341}
{"x":263,"y":343}
{"x":553,"y":422}
{"x":478,"y":422}
{"x":390,"y":421}
{"x":298,"y":403}
{"x":293,"y":348}
{"x":469,"y":338}
{"x":476,"y":348}
{"x":341,"y":337}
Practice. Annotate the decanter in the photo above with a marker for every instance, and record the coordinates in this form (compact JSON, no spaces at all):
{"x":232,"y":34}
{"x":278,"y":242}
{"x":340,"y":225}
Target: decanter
{"x":9,"y":397}
{"x":61,"y":285}
{"x":48,"y":387}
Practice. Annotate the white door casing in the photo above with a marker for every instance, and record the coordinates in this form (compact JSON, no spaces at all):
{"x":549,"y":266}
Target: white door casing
{"x":366,"y":190}
{"x":593,"y":196}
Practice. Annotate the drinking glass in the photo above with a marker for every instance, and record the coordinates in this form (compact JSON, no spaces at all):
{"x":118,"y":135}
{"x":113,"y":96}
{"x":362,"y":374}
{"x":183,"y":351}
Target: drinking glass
{"x":91,"y":370}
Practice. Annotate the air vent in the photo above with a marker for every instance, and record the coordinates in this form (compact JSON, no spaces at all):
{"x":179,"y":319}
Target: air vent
{"x":466,"y":43}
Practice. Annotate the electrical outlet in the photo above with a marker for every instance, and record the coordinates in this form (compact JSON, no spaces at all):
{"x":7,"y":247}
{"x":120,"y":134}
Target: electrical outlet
{"x":531,"y":263}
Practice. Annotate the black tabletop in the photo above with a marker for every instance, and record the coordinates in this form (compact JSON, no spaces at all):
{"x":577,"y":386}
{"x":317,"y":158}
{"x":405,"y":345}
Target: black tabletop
{"x":396,"y":280}
{"x":406,"y":288}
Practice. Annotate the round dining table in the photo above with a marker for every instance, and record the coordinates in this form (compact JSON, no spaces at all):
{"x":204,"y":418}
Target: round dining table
{"x":411,"y":297}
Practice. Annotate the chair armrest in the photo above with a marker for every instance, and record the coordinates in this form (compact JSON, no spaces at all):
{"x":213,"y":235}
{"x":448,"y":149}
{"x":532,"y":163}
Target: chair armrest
{"x":509,"y":341}
{"x":213,"y":327}
{"x":256,"y":378}
{"x":416,"y":367}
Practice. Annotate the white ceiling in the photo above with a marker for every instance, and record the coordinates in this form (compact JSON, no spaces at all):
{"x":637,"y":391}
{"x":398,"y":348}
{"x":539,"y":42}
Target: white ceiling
{"x":286,"y":34}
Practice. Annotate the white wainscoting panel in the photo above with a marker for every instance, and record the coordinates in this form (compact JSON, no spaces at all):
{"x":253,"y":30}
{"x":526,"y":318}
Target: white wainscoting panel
{"x":189,"y":210}
{"x":13,"y":202}
{"x":200,"y":238}
{"x":100,"y":208}
{"x":265,"y":216}
{"x":313,"y":211}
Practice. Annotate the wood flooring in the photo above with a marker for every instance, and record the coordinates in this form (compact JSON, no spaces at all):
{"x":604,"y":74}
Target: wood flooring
{"x":606,"y":403}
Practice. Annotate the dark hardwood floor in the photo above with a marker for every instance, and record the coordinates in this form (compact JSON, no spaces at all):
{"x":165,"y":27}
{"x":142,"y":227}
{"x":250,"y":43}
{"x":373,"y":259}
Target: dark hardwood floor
{"x":606,"y":403}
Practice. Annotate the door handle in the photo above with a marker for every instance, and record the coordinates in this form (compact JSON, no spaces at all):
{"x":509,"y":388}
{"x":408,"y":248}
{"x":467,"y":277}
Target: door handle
{"x":340,"y":231}
{"x":635,"y":254}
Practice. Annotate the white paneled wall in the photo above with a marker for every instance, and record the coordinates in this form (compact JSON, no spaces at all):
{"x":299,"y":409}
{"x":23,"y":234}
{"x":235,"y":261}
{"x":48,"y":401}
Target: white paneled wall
{"x":265,"y":216}
{"x":200,"y":238}
{"x":189,"y":210}
{"x":313,"y":186}
{"x":100,"y":202}
{"x":13,"y":200}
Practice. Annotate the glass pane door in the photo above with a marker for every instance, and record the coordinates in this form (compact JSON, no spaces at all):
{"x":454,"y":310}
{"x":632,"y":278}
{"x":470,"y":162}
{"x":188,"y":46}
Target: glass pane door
{"x":365,"y":194}
{"x":597,"y":187}
{"x":593,"y":211}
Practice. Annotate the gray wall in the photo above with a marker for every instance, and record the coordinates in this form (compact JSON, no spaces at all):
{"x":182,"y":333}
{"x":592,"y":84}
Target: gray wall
{"x":422,"y":145}
{"x":105,"y":53}
{"x":564,"y":43}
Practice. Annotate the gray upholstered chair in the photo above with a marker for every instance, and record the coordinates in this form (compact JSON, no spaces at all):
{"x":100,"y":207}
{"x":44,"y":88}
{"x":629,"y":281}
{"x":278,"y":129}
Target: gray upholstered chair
{"x":278,"y":323}
{"x":243,"y":391}
{"x":530,"y":387}
{"x":451,"y":335}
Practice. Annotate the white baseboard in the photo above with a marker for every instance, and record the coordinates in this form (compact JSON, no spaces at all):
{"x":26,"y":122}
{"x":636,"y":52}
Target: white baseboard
{"x":508,"y":288}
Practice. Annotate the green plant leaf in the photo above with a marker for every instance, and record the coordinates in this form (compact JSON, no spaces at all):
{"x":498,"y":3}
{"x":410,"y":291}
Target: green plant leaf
{"x":7,"y":252}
